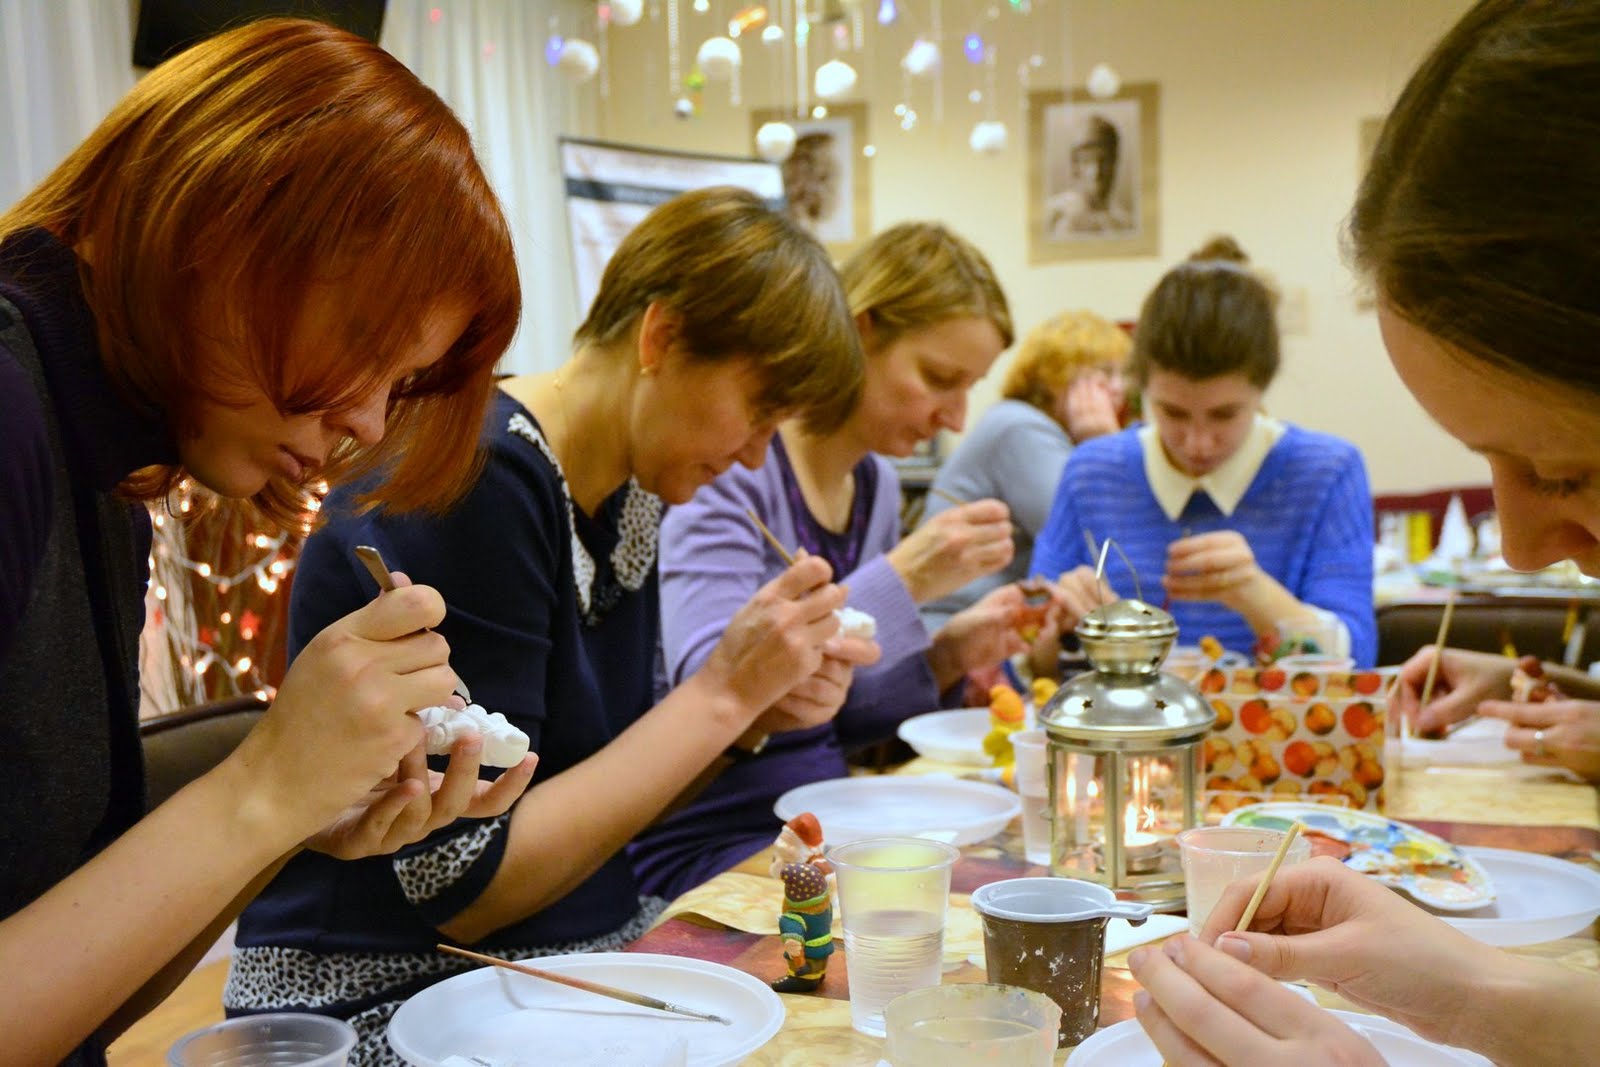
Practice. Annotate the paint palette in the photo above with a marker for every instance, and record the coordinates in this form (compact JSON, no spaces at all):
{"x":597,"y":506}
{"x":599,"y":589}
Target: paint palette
{"x":1424,"y":866}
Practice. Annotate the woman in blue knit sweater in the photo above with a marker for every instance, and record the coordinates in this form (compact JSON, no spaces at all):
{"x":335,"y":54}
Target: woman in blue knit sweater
{"x":1247,"y":525}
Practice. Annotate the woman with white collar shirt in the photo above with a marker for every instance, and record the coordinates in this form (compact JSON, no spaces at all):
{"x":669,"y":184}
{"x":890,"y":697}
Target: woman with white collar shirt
{"x":1239,"y":522}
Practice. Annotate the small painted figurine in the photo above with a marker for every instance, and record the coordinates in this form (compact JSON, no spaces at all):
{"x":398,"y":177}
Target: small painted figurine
{"x":1006,"y":717}
{"x":1041,"y":690}
{"x":806,"y":926}
{"x":800,"y":841}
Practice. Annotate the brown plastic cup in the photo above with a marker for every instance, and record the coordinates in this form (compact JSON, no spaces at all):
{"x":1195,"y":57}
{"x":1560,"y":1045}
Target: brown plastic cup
{"x":1049,"y":935}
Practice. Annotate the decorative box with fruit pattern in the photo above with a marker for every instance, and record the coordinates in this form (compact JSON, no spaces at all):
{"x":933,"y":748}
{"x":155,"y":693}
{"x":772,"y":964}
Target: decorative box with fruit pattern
{"x":1313,"y":733}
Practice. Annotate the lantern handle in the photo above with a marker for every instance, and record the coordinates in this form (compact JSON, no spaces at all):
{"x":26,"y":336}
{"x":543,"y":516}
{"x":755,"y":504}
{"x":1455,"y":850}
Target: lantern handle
{"x":1100,"y":567}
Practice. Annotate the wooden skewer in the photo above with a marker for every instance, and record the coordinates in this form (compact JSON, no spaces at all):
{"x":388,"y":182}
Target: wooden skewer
{"x":771,"y":540}
{"x":588,"y":987}
{"x":1438,"y":651}
{"x":947,"y":497}
{"x":1261,"y":889}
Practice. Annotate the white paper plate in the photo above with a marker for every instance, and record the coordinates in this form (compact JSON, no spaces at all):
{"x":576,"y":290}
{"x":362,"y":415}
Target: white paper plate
{"x":1127,"y":1045}
{"x":949,"y":736}
{"x":512,"y":1019}
{"x":1537,"y":898}
{"x":947,"y":809}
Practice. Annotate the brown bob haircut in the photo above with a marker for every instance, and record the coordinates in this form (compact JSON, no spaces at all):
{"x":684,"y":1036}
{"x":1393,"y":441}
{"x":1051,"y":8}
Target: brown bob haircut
{"x":1476,"y":220}
{"x":745,"y":284}
{"x":1207,"y":317}
{"x":266,"y":165}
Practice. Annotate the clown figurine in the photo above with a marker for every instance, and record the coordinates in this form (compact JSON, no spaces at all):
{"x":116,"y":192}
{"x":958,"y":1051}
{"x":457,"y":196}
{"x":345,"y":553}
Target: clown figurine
{"x":1006,"y":716}
{"x":806,"y":926}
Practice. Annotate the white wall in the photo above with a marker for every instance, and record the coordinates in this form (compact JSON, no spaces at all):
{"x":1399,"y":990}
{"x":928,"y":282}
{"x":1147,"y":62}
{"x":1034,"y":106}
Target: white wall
{"x":1260,"y":106}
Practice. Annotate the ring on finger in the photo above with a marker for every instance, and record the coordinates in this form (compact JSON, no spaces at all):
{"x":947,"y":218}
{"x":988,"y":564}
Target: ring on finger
{"x":1539,"y":751}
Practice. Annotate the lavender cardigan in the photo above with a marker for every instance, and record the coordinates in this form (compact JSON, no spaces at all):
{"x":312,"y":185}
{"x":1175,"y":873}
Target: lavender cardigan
{"x":712,"y":561}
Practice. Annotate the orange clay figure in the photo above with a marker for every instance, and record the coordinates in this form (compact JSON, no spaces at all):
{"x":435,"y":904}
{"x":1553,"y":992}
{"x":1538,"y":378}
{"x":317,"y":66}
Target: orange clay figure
{"x":1042,"y":690}
{"x":800,"y":841}
{"x":1530,"y":685}
{"x":1210,"y":647}
{"x":1006,"y":717}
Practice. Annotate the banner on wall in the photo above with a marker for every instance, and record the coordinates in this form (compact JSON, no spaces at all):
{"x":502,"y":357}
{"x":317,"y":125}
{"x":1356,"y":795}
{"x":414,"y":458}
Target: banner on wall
{"x":610,"y":187}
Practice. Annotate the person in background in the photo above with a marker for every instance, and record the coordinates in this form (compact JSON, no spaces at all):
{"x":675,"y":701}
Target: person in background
{"x":188,"y":294}
{"x":932,"y":320}
{"x":1488,"y":309}
{"x":1063,"y":387}
{"x":1250,"y":526}
{"x":714,"y":319}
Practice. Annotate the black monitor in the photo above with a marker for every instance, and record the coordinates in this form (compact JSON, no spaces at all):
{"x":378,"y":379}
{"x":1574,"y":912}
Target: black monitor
{"x":167,"y":27}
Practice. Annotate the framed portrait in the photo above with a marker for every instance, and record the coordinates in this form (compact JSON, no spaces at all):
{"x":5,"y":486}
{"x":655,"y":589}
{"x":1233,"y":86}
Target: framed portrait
{"x":826,"y":178}
{"x":1093,"y":174}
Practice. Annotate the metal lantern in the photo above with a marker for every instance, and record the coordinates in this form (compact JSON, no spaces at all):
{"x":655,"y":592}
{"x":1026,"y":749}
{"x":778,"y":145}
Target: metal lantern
{"x":1124,"y":757}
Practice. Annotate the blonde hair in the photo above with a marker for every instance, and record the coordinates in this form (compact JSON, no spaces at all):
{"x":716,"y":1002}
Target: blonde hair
{"x":746,"y":284}
{"x":1057,"y":351}
{"x":919,"y":274}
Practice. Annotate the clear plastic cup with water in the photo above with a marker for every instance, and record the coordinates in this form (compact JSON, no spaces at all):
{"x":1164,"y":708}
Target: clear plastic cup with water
{"x":972,"y":1025}
{"x":281,"y":1039}
{"x":1033,"y":786}
{"x":892,"y":897}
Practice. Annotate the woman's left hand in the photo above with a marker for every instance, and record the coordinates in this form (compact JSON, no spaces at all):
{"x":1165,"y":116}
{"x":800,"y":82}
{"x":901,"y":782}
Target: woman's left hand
{"x":1203,"y":1007}
{"x":1554,"y":733}
{"x":1214,"y":566}
{"x":979,"y":636}
{"x":818,"y":698}
{"x":417,"y":801}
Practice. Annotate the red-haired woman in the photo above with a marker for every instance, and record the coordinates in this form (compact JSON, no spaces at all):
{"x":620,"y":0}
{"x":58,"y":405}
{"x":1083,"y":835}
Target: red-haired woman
{"x":235,"y":278}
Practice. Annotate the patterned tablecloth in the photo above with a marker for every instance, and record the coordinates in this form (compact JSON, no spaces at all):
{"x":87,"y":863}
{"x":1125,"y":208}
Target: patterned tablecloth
{"x":732,"y":919}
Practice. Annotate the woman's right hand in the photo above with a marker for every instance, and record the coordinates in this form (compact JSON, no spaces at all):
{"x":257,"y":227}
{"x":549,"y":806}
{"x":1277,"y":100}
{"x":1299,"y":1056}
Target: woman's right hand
{"x":341,"y":724}
{"x":952,"y":548}
{"x":777,"y":640}
{"x":1320,"y":921}
{"x":1464,"y":680}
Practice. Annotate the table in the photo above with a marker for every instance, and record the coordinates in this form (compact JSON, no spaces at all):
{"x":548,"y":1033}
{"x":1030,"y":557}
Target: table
{"x":1501,"y":806}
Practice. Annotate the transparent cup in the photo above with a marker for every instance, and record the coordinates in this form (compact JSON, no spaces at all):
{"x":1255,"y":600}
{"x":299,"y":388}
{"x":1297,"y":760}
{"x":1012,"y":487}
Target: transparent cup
{"x":1033,"y":786}
{"x":1214,"y":856}
{"x":282,"y":1039}
{"x":892,"y":897}
{"x":972,"y":1026}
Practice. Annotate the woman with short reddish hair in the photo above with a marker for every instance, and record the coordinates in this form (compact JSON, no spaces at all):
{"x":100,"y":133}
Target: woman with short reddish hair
{"x":238,"y":278}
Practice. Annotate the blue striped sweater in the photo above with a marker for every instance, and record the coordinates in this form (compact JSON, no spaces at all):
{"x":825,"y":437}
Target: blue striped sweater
{"x":1307,"y":516}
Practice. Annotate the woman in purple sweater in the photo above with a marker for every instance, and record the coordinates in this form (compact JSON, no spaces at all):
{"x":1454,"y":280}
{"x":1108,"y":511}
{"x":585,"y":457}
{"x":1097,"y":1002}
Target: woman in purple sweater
{"x":932,"y":319}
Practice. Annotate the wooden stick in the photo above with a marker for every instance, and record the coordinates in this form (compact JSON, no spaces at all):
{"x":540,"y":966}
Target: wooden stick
{"x":1261,"y":889}
{"x":949,"y":498}
{"x":771,"y":540}
{"x":588,"y":987}
{"x":1438,"y":652}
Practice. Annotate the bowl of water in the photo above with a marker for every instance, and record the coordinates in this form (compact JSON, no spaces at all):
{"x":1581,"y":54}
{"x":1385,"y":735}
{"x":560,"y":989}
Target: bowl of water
{"x":972,"y":1025}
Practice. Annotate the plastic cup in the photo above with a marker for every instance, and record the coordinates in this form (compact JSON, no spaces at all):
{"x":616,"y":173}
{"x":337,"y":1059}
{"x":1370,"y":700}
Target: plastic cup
{"x":283,"y":1039}
{"x":892,"y":897}
{"x":1048,"y":935}
{"x":972,"y":1026}
{"x":1033,"y":786}
{"x":1213,"y":856}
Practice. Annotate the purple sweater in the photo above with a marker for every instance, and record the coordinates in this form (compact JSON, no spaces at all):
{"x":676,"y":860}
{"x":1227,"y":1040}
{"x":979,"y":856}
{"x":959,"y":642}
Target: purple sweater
{"x":712,"y":561}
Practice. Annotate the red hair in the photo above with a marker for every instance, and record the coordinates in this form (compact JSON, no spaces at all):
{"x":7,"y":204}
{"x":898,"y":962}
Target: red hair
{"x":279,"y":158}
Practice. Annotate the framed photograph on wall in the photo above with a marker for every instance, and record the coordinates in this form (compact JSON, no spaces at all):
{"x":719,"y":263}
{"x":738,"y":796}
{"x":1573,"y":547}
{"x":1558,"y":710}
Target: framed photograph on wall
{"x":826,"y":179}
{"x":1093,"y":174}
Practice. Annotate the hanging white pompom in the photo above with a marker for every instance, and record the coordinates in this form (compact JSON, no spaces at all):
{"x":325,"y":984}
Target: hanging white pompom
{"x":578,"y":60}
{"x":834,"y":79}
{"x":921,"y":59}
{"x":774,"y":141}
{"x":988,"y":137}
{"x":626,"y":12}
{"x":773,"y":34}
{"x":1103,"y":82}
{"x":683,"y":107}
{"x":718,"y":57}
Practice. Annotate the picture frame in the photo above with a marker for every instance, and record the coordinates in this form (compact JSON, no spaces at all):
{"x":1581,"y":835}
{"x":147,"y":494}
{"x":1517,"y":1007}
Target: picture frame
{"x":827,"y":178}
{"x":1094,"y":177}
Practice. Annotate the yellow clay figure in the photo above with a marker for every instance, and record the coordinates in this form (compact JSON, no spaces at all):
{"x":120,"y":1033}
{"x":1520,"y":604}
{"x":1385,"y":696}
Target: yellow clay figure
{"x":1006,"y":717}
